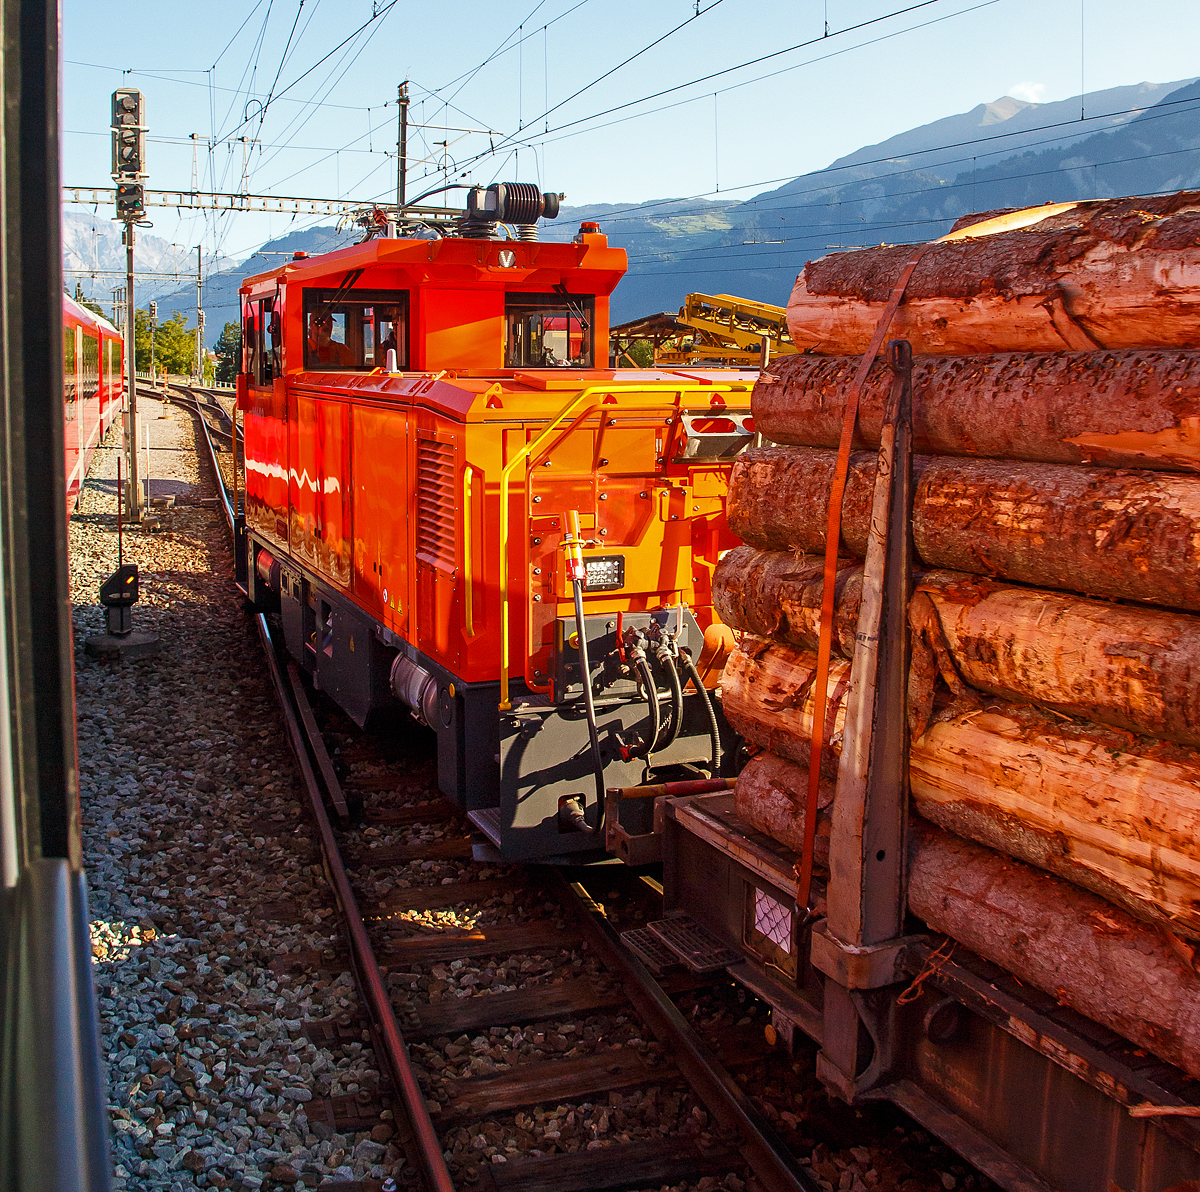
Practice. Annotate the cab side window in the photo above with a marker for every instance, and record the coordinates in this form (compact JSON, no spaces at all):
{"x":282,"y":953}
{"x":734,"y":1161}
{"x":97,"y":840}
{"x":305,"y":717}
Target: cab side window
{"x":262,"y":341}
{"x":354,"y":331}
{"x":548,"y":330}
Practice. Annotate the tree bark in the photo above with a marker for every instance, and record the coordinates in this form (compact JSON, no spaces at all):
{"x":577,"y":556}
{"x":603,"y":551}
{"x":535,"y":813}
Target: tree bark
{"x":1126,"y":667}
{"x":1118,"y":817}
{"x":1102,"y":532}
{"x":1091,"y":956}
{"x":1120,"y":409}
{"x":1070,"y":944}
{"x":777,"y":594}
{"x":770,"y":796}
{"x":767,"y":697}
{"x":1118,"y":274}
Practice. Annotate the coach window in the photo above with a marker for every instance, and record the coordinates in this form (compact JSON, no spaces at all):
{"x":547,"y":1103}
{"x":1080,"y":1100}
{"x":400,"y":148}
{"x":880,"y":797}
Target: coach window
{"x":91,"y":367}
{"x":548,"y":330}
{"x":69,"y":370}
{"x":354,"y":332}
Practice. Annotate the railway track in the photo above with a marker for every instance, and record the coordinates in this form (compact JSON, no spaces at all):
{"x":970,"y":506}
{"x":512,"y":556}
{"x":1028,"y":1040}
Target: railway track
{"x":564,"y":929}
{"x":520,"y":1045}
{"x":595,"y":980}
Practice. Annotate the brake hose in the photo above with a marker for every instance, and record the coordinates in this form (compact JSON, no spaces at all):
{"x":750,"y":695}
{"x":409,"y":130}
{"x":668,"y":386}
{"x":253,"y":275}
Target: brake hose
{"x":665,"y":657}
{"x":714,"y":730}
{"x":647,"y":676}
{"x":585,"y":678}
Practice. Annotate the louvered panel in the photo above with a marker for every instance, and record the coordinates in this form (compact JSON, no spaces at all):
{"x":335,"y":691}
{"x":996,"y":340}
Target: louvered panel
{"x":435,"y":503}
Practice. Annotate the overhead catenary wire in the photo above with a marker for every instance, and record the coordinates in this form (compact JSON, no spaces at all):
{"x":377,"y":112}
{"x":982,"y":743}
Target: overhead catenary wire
{"x":727,"y":70}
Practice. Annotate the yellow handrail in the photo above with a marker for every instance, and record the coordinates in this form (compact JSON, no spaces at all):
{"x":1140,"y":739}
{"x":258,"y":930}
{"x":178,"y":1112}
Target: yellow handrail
{"x":525,"y":452}
{"x":468,"y":587}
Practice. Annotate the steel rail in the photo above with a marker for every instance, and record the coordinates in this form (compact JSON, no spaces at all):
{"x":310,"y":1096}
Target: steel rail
{"x":367,"y":973}
{"x":222,"y":492}
{"x":366,"y":968}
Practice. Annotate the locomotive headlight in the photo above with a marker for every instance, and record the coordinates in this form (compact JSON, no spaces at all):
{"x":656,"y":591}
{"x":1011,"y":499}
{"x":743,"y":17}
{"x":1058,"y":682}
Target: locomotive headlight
{"x":604,"y":573}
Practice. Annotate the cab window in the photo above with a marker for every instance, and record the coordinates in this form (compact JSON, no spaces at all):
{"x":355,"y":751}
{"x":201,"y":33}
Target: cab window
{"x":548,"y":330}
{"x":262,"y":341}
{"x":354,"y":332}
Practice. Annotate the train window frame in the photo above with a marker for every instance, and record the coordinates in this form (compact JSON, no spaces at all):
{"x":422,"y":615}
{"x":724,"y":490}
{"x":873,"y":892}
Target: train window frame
{"x":262,"y":340}
{"x":519,"y":307}
{"x":341,"y":304}
{"x":70,"y":371}
{"x":90,"y":365}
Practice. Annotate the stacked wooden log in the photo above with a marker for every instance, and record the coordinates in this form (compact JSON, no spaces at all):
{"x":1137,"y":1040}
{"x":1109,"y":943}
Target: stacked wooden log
{"x":1054,"y":694}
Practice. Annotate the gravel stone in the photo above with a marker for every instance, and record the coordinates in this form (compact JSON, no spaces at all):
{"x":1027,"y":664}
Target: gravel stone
{"x":201,"y":871}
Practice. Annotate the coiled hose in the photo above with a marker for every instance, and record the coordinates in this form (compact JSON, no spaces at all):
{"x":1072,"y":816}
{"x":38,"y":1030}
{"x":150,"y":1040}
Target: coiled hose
{"x":676,"y":722}
{"x":647,"y":676}
{"x":714,"y":729}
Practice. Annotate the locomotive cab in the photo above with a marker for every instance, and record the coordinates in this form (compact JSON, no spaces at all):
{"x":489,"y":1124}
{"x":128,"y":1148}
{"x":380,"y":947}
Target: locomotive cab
{"x":453,"y":503}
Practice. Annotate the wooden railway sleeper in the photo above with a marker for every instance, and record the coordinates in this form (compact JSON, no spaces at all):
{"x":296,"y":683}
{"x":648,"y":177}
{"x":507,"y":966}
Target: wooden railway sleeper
{"x":772,"y":1162}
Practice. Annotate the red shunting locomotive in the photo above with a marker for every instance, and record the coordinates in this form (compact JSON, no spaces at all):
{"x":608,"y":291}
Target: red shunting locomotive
{"x":453,"y":503}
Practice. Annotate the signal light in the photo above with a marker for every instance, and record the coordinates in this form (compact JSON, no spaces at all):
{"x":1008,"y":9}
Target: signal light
{"x":131,"y":200}
{"x":153,"y":313}
{"x":129,"y":133}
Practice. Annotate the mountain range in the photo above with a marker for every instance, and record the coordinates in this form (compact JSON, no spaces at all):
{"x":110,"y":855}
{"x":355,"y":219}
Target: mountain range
{"x":1139,"y":139}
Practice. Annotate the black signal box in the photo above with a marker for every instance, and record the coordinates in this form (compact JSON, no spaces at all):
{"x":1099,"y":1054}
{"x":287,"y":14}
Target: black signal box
{"x":120,"y":590}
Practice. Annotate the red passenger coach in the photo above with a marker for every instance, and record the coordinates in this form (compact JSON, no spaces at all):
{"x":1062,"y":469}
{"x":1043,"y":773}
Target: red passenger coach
{"x":93,"y":388}
{"x":453,"y":504}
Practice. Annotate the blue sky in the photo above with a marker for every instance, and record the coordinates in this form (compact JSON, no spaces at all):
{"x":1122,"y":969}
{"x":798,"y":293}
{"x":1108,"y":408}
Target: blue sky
{"x":498,"y":84}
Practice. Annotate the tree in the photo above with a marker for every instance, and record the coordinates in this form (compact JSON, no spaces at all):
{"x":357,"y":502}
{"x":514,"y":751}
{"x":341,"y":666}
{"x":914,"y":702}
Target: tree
{"x":228,"y":350}
{"x":87,"y":303}
{"x":174,"y":344}
{"x":640,"y":351}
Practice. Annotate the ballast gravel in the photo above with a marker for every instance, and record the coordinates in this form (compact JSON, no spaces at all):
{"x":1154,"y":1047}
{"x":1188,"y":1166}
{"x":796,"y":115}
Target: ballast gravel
{"x":200,"y":874}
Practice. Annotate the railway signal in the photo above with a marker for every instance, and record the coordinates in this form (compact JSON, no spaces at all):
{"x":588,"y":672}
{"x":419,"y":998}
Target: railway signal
{"x":131,"y":201}
{"x":129,"y":173}
{"x":129,"y":133}
{"x":153,"y":326}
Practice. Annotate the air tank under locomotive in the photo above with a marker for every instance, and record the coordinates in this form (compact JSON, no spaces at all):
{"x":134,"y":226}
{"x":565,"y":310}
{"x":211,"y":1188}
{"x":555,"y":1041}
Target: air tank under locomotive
{"x":453,"y":502}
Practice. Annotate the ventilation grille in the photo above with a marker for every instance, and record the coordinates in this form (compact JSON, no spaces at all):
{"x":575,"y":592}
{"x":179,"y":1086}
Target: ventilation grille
{"x":435,"y":503}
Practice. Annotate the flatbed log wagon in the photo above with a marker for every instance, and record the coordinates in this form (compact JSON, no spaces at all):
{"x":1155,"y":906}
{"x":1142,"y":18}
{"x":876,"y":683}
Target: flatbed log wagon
{"x":964,"y":854}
